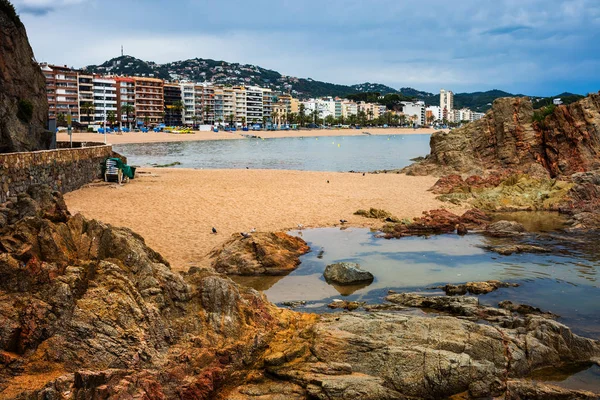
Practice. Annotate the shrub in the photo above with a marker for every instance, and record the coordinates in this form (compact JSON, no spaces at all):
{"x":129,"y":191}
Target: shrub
{"x":7,"y":8}
{"x":540,"y":115}
{"x":24,"y":110}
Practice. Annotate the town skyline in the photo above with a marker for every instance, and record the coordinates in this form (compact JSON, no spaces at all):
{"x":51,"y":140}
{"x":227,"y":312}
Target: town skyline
{"x":538,"y":51}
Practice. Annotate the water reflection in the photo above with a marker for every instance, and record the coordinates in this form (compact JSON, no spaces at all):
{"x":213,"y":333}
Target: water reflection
{"x":575,"y":376}
{"x":562,"y":281}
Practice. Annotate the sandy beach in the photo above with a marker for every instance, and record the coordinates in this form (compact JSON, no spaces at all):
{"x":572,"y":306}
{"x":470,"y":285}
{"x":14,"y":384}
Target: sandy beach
{"x":154,"y":137}
{"x":175,"y":209}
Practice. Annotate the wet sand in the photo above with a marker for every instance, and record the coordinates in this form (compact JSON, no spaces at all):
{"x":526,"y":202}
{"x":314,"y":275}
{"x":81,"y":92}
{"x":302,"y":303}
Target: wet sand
{"x":154,"y":137}
{"x":175,"y":209}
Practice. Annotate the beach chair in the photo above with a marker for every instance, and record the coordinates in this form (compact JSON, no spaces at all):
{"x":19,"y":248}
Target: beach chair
{"x":113,"y":172}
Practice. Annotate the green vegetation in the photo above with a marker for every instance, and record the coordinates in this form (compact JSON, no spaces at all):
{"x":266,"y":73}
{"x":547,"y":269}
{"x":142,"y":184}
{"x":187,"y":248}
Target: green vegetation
{"x":540,"y":115}
{"x":25,"y":111}
{"x":7,"y":8}
{"x":173,"y":164}
{"x":222,"y":72}
{"x":566,"y":98}
{"x":390,"y":100}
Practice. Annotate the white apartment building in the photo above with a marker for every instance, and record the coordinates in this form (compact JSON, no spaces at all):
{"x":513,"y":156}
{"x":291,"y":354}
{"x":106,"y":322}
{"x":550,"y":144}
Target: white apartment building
{"x":349,"y":108}
{"x":105,"y":98}
{"x":188,"y":97}
{"x":267,"y":103}
{"x":436,"y":112}
{"x":254,"y":105}
{"x":415,"y":112}
{"x":446,"y":102}
{"x":465,"y":115}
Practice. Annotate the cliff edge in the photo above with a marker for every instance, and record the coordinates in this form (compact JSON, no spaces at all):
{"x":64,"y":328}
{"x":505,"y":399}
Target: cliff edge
{"x":23,"y":101}
{"x":514,"y":137}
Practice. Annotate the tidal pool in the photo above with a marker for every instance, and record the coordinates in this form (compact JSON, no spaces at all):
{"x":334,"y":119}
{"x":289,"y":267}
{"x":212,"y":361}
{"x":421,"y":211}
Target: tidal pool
{"x":564,"y":281}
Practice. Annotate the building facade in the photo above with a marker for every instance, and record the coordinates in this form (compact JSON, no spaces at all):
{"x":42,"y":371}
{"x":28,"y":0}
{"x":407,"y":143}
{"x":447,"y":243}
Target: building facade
{"x":446,"y":103}
{"x":105,"y":100}
{"x":125,"y":100}
{"x":149,"y":100}
{"x":62,"y":88}
{"x":86,"y":98}
{"x":173,"y":104}
{"x":415,"y":112}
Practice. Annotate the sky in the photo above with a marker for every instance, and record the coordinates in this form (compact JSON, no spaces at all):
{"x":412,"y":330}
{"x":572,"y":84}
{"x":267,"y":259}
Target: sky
{"x":532,"y":47}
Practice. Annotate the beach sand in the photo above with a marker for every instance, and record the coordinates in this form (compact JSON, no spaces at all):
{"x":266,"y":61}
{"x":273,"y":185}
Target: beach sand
{"x":154,"y":137}
{"x":175,"y":209}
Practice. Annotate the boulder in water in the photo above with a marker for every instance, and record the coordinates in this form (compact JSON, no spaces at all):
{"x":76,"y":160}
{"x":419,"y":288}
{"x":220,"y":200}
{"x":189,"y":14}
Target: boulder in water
{"x":347,"y":274}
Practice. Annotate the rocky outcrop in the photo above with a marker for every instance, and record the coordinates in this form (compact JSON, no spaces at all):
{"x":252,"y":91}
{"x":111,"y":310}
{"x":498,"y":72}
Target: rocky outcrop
{"x":88,"y":311}
{"x":395,"y":356}
{"x":562,"y":143}
{"x":259,"y":254}
{"x":346,"y":273}
{"x":93,"y":305}
{"x":505,"y":228}
{"x":436,"y":222}
{"x":475,"y":287}
{"x":23,"y":101}
{"x":376,"y":213}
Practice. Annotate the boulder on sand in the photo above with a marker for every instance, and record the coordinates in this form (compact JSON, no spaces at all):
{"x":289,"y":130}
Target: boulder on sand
{"x":260,"y":253}
{"x":346,"y":273}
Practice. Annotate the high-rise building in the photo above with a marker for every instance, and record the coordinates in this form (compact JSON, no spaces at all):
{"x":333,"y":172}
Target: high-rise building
{"x":173,"y":104}
{"x":149,"y":100}
{"x":86,"y":98}
{"x":254,"y":104}
{"x":125,"y":100}
{"x":446,"y":102}
{"x":62,"y":88}
{"x":105,"y":99}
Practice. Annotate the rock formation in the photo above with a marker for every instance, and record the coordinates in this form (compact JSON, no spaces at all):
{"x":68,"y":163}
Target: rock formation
{"x":259,"y":254}
{"x":346,"y":273}
{"x":565,"y":142}
{"x":23,"y":101}
{"x":88,"y":311}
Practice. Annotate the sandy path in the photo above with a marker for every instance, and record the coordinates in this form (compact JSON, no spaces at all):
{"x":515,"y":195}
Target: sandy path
{"x":153,"y":137}
{"x":175,"y":209}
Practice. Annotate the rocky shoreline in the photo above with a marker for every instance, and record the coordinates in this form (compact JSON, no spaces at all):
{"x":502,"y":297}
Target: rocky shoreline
{"x":89,"y":311}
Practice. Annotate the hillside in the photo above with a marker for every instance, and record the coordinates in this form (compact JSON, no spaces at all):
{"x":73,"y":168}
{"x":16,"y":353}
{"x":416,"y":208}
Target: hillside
{"x":225,"y":73}
{"x":222,"y":72}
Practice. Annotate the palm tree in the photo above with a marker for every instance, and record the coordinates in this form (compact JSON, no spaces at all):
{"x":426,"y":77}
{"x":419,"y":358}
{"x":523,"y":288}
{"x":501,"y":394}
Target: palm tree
{"x":111,"y":116}
{"x":146,"y":120}
{"x":127,"y":109}
{"x":274,"y":116}
{"x":61,"y":119}
{"x":206,"y":113}
{"x":302,"y":109}
{"x":231,"y":120}
{"x":195,"y":119}
{"x":243,"y":121}
{"x":176,"y":108}
{"x":87,"y":109}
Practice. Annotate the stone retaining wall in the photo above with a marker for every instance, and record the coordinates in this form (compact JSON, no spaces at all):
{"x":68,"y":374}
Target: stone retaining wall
{"x":63,"y":169}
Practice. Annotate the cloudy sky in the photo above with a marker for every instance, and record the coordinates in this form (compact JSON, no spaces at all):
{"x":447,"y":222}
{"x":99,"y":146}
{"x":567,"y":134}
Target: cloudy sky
{"x":534,"y":47}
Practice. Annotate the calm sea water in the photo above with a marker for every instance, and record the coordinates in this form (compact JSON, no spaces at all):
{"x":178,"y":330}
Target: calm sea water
{"x":565,"y":282}
{"x":345,"y":153}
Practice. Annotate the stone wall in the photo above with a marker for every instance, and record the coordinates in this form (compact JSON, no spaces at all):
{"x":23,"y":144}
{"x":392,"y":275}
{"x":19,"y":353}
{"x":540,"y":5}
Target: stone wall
{"x":64,"y":169}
